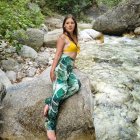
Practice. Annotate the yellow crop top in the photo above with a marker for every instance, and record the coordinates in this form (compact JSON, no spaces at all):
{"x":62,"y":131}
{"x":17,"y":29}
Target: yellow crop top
{"x":70,"y":46}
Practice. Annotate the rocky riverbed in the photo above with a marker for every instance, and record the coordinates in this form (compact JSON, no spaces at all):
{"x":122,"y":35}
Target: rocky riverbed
{"x":113,"y":68}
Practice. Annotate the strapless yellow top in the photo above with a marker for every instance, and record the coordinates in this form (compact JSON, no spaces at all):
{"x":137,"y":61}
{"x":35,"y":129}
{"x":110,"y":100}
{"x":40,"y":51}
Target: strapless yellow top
{"x":70,"y":46}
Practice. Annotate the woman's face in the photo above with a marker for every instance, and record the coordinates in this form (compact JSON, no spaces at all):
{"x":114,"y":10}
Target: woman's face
{"x":69,"y":25}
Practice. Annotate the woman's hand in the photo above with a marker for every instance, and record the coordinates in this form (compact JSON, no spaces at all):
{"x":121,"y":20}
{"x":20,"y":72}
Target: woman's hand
{"x":52,"y":76}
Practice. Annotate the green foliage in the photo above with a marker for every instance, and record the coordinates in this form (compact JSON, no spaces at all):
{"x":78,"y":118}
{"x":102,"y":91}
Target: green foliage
{"x":16,"y":15}
{"x":17,"y":45}
{"x":109,"y":3}
{"x":75,"y":7}
{"x":47,"y":11}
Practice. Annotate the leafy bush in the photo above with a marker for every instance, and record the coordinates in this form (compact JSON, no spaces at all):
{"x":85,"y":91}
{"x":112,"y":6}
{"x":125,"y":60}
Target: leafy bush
{"x":75,"y":7}
{"x":18,"y":14}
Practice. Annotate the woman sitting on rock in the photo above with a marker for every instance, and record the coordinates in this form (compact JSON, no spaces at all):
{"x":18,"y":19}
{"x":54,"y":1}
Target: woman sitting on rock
{"x":65,"y":83}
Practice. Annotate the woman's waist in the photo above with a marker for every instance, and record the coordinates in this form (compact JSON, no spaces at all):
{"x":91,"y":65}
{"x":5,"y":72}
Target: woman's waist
{"x":72,"y":55}
{"x":66,"y":61}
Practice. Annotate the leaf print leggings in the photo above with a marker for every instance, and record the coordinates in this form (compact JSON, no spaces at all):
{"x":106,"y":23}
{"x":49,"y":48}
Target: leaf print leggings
{"x":65,"y":85}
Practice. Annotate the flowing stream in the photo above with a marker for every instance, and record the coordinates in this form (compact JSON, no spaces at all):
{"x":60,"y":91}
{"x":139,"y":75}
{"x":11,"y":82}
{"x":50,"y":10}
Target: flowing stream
{"x":117,"y":53}
{"x":114,"y":72}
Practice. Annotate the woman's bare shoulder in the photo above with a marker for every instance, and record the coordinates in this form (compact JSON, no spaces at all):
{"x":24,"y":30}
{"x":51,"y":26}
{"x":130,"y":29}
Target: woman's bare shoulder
{"x":61,"y":39}
{"x":62,"y":36}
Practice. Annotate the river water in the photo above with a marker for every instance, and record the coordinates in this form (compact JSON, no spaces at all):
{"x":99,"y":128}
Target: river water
{"x":114,"y":71}
{"x":115,"y":52}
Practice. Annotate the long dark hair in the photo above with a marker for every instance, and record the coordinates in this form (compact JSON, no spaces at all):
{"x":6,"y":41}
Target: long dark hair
{"x":75,"y":32}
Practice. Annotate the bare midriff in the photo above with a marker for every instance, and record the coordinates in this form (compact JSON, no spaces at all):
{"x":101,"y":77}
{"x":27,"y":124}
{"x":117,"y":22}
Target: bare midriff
{"x":71,"y":54}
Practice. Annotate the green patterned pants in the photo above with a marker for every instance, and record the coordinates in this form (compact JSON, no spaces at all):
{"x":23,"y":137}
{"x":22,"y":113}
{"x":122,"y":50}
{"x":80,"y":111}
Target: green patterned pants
{"x":65,"y":85}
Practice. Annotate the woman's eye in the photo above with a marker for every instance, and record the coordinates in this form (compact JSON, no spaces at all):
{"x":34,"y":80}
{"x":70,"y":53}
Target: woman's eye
{"x":69,"y":22}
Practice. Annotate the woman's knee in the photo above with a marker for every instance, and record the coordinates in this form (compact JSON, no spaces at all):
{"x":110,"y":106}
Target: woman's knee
{"x":60,"y":93}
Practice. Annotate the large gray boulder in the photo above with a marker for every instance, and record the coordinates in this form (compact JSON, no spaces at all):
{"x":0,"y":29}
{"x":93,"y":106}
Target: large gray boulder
{"x":10,"y":64}
{"x":4,"y":79}
{"x":23,"y":112}
{"x":35,"y":38}
{"x":2,"y":96}
{"x":2,"y":92}
{"x":31,"y":37}
{"x":122,"y":18}
{"x":51,"y":37}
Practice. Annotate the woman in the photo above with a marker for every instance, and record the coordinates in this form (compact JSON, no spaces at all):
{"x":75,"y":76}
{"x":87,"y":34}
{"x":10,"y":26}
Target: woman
{"x":65,"y":83}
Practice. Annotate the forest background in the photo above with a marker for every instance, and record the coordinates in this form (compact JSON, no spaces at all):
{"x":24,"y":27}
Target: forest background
{"x":22,"y":14}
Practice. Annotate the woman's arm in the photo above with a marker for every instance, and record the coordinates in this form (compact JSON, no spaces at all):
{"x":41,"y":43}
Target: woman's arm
{"x":59,"y":51}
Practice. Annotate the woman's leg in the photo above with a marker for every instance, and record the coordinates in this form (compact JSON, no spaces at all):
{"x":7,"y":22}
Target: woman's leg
{"x":74,"y":85}
{"x":50,"y":124}
{"x":46,"y":108}
{"x":60,"y":89}
{"x":59,"y":93}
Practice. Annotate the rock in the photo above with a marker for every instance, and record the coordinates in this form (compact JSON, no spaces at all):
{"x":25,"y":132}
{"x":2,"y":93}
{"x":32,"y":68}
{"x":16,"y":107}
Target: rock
{"x":20,"y":75}
{"x":3,"y":44}
{"x":90,"y":35}
{"x":83,"y":26}
{"x":10,"y":50}
{"x":11,"y":75}
{"x":137,"y":31}
{"x":2,"y":96}
{"x":53,"y":23}
{"x":31,"y":37}
{"x":43,"y":58}
{"x":2,"y":92}
{"x":138,"y":121}
{"x":4,"y":79}
{"x":10,"y":64}
{"x":31,"y":72}
{"x":23,"y":112}
{"x":5,"y":50}
{"x":51,"y":37}
{"x":120,"y":19}
{"x":27,"y":79}
{"x":44,"y":28}
{"x":35,"y":38}
{"x":28,"y":52}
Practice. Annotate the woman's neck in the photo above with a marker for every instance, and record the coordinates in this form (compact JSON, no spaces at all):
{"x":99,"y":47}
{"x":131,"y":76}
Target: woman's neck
{"x":71,"y":34}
